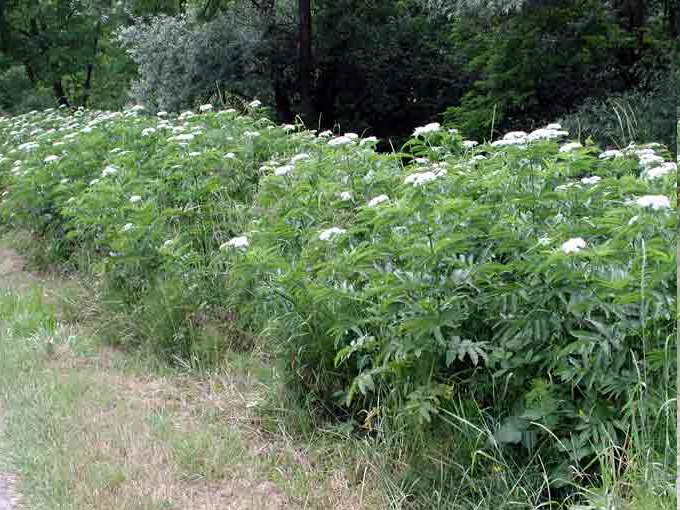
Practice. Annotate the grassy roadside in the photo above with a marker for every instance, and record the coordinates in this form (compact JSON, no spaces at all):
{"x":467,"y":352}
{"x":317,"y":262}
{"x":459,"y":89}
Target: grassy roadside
{"x":90,"y":427}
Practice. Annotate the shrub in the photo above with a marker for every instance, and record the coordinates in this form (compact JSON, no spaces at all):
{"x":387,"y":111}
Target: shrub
{"x":18,"y":94}
{"x":182,"y":64}
{"x":528,"y":278}
{"x":620,"y":119}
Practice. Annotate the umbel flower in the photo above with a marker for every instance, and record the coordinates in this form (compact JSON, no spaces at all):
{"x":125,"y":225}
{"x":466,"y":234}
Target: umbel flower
{"x":656,"y":202}
{"x":378,"y":200}
{"x":433,"y":127}
{"x":573,"y":245}
{"x":328,"y":234}
{"x":240,"y":242}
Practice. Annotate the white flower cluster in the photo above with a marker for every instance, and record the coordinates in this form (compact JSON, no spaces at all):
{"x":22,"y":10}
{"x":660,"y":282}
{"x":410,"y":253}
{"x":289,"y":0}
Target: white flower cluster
{"x":240,"y":242}
{"x":328,"y":234}
{"x":433,"y":127}
{"x":340,"y":140}
{"x":662,"y":170}
{"x":28,"y":146}
{"x":611,"y":153}
{"x":573,"y":245}
{"x":571,"y":146}
{"x":419,"y":178}
{"x":370,"y":139}
{"x":284,"y":170}
{"x":187,"y":137}
{"x":656,"y":202}
{"x":378,"y":200}
{"x":109,"y":170}
{"x":591,"y":180}
{"x":521,"y":138}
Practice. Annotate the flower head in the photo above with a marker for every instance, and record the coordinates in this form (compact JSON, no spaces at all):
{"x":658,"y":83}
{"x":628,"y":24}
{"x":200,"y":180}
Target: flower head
{"x":661,"y":170}
{"x":299,"y":157}
{"x":182,"y":138}
{"x":433,"y":127}
{"x":284,"y":170}
{"x":135,"y":198}
{"x":568,"y":147}
{"x":650,"y":160}
{"x":326,"y":235}
{"x":591,"y":180}
{"x":378,"y":200}
{"x":656,"y":202}
{"x":340,"y":140}
{"x":255,"y":103}
{"x":240,"y":242}
{"x":611,"y":153}
{"x":206,"y":108}
{"x":573,"y":245}
{"x":420,"y":178}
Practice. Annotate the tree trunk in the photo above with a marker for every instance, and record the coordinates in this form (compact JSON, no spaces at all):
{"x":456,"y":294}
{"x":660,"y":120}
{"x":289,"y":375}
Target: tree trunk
{"x":284,"y":113}
{"x":90,"y":68}
{"x":30,"y":72}
{"x":87,"y":85}
{"x":673,"y":19}
{"x":306,"y":59}
{"x":4,"y":33}
{"x":59,"y":93}
{"x":637,"y":20}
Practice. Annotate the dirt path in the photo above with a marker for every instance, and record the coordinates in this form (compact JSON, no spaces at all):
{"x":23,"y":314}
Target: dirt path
{"x":8,"y":493}
{"x":143,"y":439}
{"x":11,"y":275}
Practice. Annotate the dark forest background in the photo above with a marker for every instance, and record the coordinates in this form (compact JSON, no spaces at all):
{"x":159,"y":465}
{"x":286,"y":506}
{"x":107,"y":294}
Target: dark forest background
{"x":605,"y":69}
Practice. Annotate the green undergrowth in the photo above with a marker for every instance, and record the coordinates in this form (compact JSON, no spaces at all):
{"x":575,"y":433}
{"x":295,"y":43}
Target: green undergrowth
{"x":503,"y":315}
{"x":87,"y":427}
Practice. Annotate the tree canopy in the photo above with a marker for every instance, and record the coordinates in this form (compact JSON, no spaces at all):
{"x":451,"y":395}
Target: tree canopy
{"x":383,"y":66}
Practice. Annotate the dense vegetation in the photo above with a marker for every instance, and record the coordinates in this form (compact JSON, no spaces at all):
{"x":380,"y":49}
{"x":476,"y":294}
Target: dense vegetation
{"x":496,"y":308}
{"x":505,"y":311}
{"x":384,"y":66}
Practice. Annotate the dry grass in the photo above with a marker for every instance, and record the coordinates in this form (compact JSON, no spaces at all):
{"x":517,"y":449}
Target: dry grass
{"x":92,"y":428}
